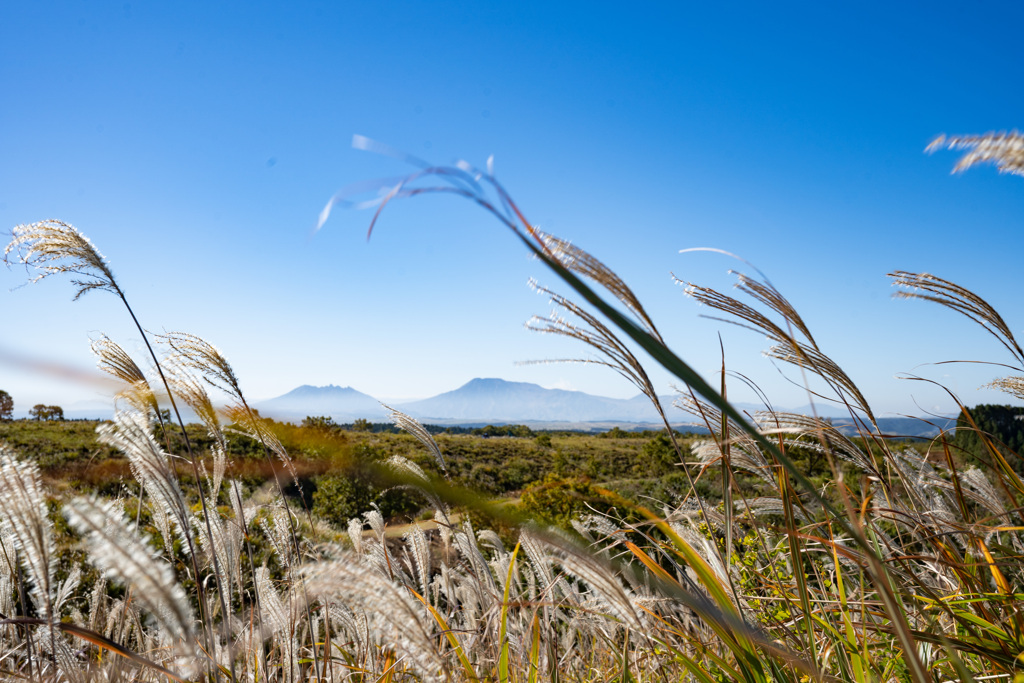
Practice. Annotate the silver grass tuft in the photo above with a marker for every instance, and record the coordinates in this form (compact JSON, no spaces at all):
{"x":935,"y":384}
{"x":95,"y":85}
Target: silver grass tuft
{"x":408,"y":470}
{"x":591,"y":331}
{"x":771,"y":422}
{"x":24,"y":521}
{"x":188,"y":389}
{"x":129,"y":433}
{"x":123,"y":557}
{"x":986,"y":494}
{"x":768,"y":506}
{"x":398,"y":622}
{"x":539,"y":561}
{"x":1005,"y":150}
{"x":444,"y":528}
{"x":491,"y":538}
{"x":275,"y":615}
{"x":278,"y":533}
{"x":419,"y":551}
{"x":1014,"y":386}
{"x":744,"y":451}
{"x":97,"y":604}
{"x":787,"y":347}
{"x":114,"y":360}
{"x":66,"y":589}
{"x":55,"y":247}
{"x":7,"y":591}
{"x":355,"y":534}
{"x":221,"y":541}
{"x":376,"y":522}
{"x":465,"y":541}
{"x":579,"y":261}
{"x":68,"y":667}
{"x":419,"y":431}
{"x":190,"y":351}
{"x":604,"y":585}
{"x":951,"y":295}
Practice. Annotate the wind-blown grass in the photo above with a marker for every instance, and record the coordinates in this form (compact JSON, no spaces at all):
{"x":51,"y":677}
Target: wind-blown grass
{"x":899,"y":567}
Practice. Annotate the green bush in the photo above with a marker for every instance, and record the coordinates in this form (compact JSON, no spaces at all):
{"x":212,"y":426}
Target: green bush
{"x":658,"y":456}
{"x":559,"y":500}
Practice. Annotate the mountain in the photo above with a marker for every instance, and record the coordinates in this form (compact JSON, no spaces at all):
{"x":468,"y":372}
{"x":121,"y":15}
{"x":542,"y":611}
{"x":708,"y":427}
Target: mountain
{"x":496,"y":400}
{"x":343,"y":404}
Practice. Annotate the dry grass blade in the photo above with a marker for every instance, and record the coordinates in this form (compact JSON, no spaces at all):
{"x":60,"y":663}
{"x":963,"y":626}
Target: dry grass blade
{"x":1005,"y":150}
{"x":951,"y":295}
{"x":55,"y":247}
{"x":578,"y":261}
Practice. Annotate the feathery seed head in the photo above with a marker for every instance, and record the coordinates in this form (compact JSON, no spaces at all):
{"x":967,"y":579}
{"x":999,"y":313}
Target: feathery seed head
{"x":397,"y":621}
{"x":114,"y":360}
{"x":186,"y":387}
{"x":1005,"y":150}
{"x":1009,"y":385}
{"x":194,"y":352}
{"x":412,"y":426}
{"x":122,"y":556}
{"x":951,"y":295}
{"x":25,"y":522}
{"x":54,"y":247}
{"x":579,"y":261}
{"x":129,"y":433}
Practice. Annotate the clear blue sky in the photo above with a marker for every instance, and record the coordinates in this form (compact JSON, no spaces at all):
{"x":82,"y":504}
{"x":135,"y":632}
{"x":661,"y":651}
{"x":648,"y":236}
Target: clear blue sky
{"x":195,"y":144}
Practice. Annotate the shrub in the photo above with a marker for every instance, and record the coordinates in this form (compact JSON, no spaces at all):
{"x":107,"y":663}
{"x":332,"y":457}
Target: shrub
{"x":559,"y":500}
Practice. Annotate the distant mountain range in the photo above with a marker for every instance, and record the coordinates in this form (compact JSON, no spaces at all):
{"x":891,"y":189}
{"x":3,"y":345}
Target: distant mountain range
{"x":477,"y":401}
{"x":496,"y":401}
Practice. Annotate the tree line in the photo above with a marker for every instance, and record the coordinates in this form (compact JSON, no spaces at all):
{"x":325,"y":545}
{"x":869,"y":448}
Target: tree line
{"x":38,"y":412}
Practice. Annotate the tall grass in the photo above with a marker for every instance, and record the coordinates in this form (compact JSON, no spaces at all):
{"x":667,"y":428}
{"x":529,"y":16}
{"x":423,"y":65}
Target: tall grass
{"x":901,"y":567}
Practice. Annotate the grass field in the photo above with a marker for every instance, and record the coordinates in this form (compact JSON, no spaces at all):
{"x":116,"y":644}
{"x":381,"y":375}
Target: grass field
{"x":775,"y":549}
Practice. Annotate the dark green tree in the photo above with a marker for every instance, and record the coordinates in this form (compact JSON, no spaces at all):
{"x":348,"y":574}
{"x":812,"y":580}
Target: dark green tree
{"x":320,"y":422}
{"x":6,"y":406}
{"x":1003,"y":426}
{"x":44,"y":412}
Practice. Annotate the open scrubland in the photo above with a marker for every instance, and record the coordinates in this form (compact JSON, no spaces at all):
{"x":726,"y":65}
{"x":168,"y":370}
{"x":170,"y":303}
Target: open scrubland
{"x":776,"y":548}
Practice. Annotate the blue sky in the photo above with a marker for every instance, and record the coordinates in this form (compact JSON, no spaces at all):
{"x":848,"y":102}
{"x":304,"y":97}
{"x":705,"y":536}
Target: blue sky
{"x":196,"y":143}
